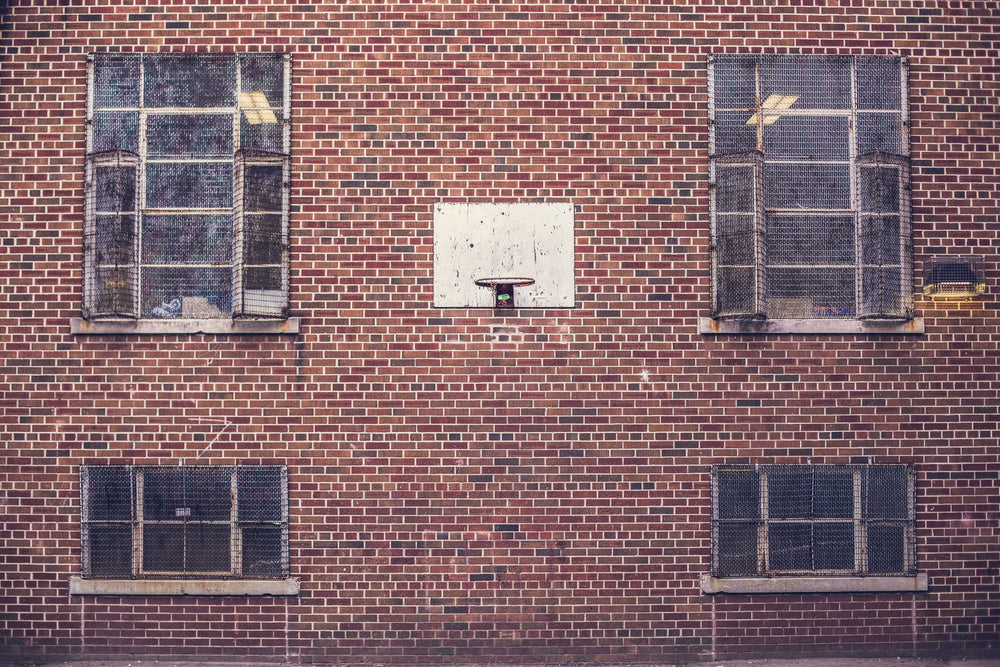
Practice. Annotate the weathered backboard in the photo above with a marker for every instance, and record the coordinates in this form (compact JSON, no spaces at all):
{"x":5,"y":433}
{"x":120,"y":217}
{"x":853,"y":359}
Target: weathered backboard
{"x":474,"y":240}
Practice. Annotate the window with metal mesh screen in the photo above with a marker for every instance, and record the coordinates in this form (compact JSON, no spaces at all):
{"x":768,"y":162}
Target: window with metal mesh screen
{"x":810,"y":187}
{"x":773,"y":520}
{"x":142,"y":522}
{"x":187,"y":186}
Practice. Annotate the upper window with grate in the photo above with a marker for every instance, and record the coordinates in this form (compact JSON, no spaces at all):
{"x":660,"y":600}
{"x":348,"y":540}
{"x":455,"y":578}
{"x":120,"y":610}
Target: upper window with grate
{"x":773,"y":520}
{"x":810,"y":187}
{"x":187,"y":186}
{"x":147,"y":522}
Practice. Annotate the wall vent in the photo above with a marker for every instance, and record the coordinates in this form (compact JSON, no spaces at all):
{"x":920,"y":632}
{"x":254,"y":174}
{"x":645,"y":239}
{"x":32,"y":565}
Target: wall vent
{"x":953,"y":277}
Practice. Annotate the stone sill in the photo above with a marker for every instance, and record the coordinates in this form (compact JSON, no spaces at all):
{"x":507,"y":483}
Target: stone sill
{"x":80,"y":586}
{"x":80,"y":326}
{"x":711,"y":585}
{"x":812,"y":326}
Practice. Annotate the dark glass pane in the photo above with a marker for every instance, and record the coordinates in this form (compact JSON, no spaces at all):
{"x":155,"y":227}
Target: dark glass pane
{"x":888,"y":492}
{"x":882,"y":291}
{"x":265,"y":133}
{"x":109,"y":493}
{"x":114,"y":189}
{"x":878,"y":188}
{"x":834,"y":546}
{"x":738,"y":494}
{"x":199,"y":292}
{"x":879,"y":82}
{"x":114,"y":130}
{"x":734,"y":240}
{"x":265,"y":73}
{"x":886,"y":549}
{"x":110,"y":548}
{"x":830,"y":291}
{"x":261,"y":493}
{"x":190,"y":80}
{"x":807,"y":186}
{"x":789,"y":494}
{"x":736,"y":290}
{"x":208,"y":493}
{"x":734,"y":190}
{"x":262,"y":551}
{"x":817,"y":82}
{"x":734,"y":81}
{"x":208,"y":548}
{"x":187,"y":239}
{"x":262,"y":188}
{"x":881,"y":132}
{"x":790,"y":546}
{"x":833,"y":497}
{"x":163,"y":495}
{"x":732,"y":133}
{"x":880,"y":239}
{"x":736,"y":549}
{"x":263,"y":239}
{"x":812,"y":239}
{"x":194,"y":135}
{"x":116,"y":80}
{"x":262,"y":278}
{"x":189,"y":185}
{"x":114,"y":240}
{"x":822,"y":137}
{"x":112,"y":290}
{"x":163,"y":547}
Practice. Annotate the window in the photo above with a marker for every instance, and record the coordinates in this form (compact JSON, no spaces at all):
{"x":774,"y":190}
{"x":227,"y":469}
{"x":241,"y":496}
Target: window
{"x":810,"y":186}
{"x":186,"y":186}
{"x":184,"y":522}
{"x":786,"y":520}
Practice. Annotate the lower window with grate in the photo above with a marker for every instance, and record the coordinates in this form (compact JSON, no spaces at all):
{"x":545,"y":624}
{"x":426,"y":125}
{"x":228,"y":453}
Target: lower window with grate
{"x":148,"y":522}
{"x":778,"y":520}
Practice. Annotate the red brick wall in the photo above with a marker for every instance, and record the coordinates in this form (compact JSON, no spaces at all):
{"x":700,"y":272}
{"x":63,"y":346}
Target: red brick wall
{"x":466,"y":484}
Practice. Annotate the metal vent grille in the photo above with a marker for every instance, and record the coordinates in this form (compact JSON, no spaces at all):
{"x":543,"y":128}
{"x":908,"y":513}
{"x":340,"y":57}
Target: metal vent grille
{"x":954,"y":277}
{"x":207,"y":139}
{"x":812,"y":519}
{"x":831,"y":197}
{"x":192,"y":521}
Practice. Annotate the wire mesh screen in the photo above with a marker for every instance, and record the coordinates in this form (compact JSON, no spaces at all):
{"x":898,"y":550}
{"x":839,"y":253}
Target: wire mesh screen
{"x":815,"y":519}
{"x":190,"y":120}
{"x":199,"y":521}
{"x":831,"y":249}
{"x":738,"y":226}
{"x":951,"y":277}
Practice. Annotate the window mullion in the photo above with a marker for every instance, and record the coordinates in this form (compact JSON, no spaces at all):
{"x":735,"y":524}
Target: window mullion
{"x":860,"y":529}
{"x":137,"y":542}
{"x":236,"y":535}
{"x":763,"y":534}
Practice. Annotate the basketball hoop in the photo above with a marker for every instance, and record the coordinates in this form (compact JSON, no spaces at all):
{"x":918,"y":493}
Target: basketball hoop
{"x":503,"y":289}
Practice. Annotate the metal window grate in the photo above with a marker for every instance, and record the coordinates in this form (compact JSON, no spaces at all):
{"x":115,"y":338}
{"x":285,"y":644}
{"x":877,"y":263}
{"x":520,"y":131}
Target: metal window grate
{"x":190,"y":521}
{"x":812,"y":519}
{"x":207,"y":137}
{"x":832,"y":211}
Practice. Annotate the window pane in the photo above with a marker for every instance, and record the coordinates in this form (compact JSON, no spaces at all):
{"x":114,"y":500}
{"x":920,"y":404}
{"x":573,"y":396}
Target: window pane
{"x":878,"y":189}
{"x":733,"y":82}
{"x":263,"y":188}
{"x":807,"y":186}
{"x":208,"y":494}
{"x":830,"y":290}
{"x":882,"y":291}
{"x":790,"y":546}
{"x":207,"y":548}
{"x":886,"y":549}
{"x":813,"y":239}
{"x":110,"y":549}
{"x":172,"y":292}
{"x":114,"y":189}
{"x":264,"y":135}
{"x":187,"y":239}
{"x":113,"y":241}
{"x":264,"y":72}
{"x":807,"y":137}
{"x":833,"y":494}
{"x":789,"y":494}
{"x":162,"y":494}
{"x":735,"y":189}
{"x":260,"y":491}
{"x":109,"y":493}
{"x":880,"y":239}
{"x":195,"y":80}
{"x":736,"y":290}
{"x":880,"y":132}
{"x":163,"y":547}
{"x":189,"y":185}
{"x":263,"y":239}
{"x":112,"y":130}
{"x":189,"y":134}
{"x":834,"y":546}
{"x":262,"y":551}
{"x":736,"y":549}
{"x":116,"y":80}
{"x":878,"y":81}
{"x":738,"y":494}
{"x":888,"y":493}
{"x":732,"y":134}
{"x":734,"y":240}
{"x":818,"y":82}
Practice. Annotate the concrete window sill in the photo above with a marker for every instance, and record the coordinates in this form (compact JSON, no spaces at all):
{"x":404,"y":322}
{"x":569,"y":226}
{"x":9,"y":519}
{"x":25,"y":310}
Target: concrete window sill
{"x":80,"y":326}
{"x":712,"y":585}
{"x":79,"y":586}
{"x":812,"y":326}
